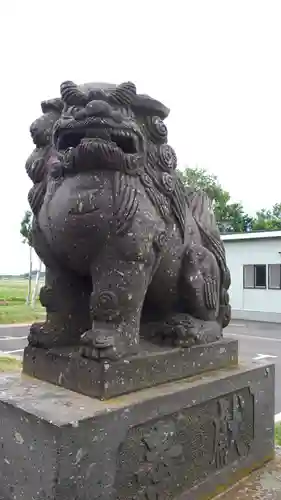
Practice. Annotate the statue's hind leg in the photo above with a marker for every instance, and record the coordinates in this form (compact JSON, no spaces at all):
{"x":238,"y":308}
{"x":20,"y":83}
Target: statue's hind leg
{"x":66,"y":297}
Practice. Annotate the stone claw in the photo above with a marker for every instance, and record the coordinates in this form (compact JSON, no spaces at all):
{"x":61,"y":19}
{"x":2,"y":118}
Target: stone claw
{"x":97,"y":345}
{"x":183,"y":337}
{"x":41,"y":335}
{"x":101,"y":343}
{"x":183,"y":330}
{"x":36,"y":333}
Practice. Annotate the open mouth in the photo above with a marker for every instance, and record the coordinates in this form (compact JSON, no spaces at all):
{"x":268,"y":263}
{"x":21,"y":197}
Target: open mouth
{"x":126,"y":140}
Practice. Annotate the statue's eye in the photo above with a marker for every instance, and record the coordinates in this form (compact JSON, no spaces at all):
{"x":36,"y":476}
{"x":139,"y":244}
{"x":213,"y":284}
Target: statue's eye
{"x":156,"y":128}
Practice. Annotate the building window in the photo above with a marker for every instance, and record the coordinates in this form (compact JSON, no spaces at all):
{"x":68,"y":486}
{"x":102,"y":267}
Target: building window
{"x":254,"y":276}
{"x":274,"y":276}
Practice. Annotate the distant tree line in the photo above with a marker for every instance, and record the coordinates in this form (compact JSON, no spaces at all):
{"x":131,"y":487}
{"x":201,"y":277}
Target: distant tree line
{"x":24,"y":276}
{"x":231,"y":217}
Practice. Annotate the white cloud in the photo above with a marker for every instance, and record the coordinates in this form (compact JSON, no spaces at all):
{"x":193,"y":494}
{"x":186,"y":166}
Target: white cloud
{"x":216,"y":64}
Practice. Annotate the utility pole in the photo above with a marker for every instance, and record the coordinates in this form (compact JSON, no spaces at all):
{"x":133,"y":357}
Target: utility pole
{"x":36,"y":286}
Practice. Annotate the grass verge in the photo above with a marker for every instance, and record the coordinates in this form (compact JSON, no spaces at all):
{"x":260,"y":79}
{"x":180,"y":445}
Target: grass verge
{"x":278,"y":434}
{"x":9,"y":364}
{"x":21,"y":313}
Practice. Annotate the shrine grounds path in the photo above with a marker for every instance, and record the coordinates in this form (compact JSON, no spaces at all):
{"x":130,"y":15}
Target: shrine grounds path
{"x":257,"y":341}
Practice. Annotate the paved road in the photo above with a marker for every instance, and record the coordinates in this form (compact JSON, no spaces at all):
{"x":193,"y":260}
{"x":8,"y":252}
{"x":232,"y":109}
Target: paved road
{"x":259,"y":341}
{"x":256,"y":341}
{"x":13,"y":339}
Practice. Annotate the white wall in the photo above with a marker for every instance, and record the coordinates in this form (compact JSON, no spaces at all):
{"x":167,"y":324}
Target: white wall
{"x":264,"y":305}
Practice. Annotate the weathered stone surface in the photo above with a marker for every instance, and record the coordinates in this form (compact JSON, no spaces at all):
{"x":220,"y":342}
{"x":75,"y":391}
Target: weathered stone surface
{"x":104,"y":379}
{"x":185,"y":440}
{"x":264,"y":484}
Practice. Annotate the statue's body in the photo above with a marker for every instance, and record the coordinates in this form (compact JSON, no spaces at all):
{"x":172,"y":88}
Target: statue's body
{"x":126,"y":246}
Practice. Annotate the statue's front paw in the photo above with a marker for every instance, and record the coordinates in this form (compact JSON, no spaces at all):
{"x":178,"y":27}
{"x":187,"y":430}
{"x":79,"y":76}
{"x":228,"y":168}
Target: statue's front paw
{"x":98,"y":345}
{"x":107,"y":341}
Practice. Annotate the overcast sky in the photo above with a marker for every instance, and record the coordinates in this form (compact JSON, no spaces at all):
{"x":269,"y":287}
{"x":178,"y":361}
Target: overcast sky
{"x":215,"y":63}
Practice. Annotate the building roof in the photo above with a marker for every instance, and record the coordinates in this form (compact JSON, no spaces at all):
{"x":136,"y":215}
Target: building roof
{"x":255,"y":235}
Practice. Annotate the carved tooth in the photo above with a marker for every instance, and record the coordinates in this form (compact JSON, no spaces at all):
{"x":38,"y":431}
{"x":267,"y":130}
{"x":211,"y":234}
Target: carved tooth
{"x":136,"y":142}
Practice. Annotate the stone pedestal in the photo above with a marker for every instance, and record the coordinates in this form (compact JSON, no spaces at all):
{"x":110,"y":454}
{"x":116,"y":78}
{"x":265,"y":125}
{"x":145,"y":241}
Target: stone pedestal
{"x":105,"y":379}
{"x":184,"y":440}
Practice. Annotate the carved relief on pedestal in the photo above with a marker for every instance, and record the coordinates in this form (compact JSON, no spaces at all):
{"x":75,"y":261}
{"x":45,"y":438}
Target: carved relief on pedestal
{"x":175,"y":453}
{"x":232,"y":431}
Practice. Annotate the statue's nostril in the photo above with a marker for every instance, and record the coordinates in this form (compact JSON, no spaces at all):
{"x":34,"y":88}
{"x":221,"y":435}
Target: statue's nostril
{"x":81,"y":114}
{"x":98,"y":108}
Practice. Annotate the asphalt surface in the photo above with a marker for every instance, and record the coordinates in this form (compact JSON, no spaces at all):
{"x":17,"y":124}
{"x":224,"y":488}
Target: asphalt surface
{"x":260,"y":341}
{"x":256,"y":341}
{"x":13,"y":339}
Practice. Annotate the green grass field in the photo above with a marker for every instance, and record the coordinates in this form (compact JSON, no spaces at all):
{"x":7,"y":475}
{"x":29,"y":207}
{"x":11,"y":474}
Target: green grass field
{"x":13,"y":308}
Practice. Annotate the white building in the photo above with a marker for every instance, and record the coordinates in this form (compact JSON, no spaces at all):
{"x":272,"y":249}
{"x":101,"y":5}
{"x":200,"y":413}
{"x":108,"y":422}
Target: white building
{"x":254,"y":260}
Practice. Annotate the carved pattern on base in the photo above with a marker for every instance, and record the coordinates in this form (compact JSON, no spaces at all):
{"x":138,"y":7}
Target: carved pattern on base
{"x":160,"y":459}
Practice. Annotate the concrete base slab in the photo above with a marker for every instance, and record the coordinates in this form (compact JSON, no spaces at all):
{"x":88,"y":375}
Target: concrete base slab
{"x":185,"y":440}
{"x":264,"y":484}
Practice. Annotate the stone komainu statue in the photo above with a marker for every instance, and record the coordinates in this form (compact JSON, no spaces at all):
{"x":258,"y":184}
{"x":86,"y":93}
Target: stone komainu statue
{"x":128,"y":250}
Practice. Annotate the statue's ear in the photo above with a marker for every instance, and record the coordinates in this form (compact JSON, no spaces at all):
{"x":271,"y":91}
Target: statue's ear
{"x":145,"y":105}
{"x":41,"y":129}
{"x":52,"y":105}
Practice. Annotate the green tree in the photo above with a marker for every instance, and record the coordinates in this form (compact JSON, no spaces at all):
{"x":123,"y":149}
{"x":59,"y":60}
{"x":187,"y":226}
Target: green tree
{"x":268,"y":220}
{"x":230,"y":216}
{"x":25,"y":231}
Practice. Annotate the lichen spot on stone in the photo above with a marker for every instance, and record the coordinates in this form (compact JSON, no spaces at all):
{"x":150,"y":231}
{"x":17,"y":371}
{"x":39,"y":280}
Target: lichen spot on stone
{"x":18,"y":438}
